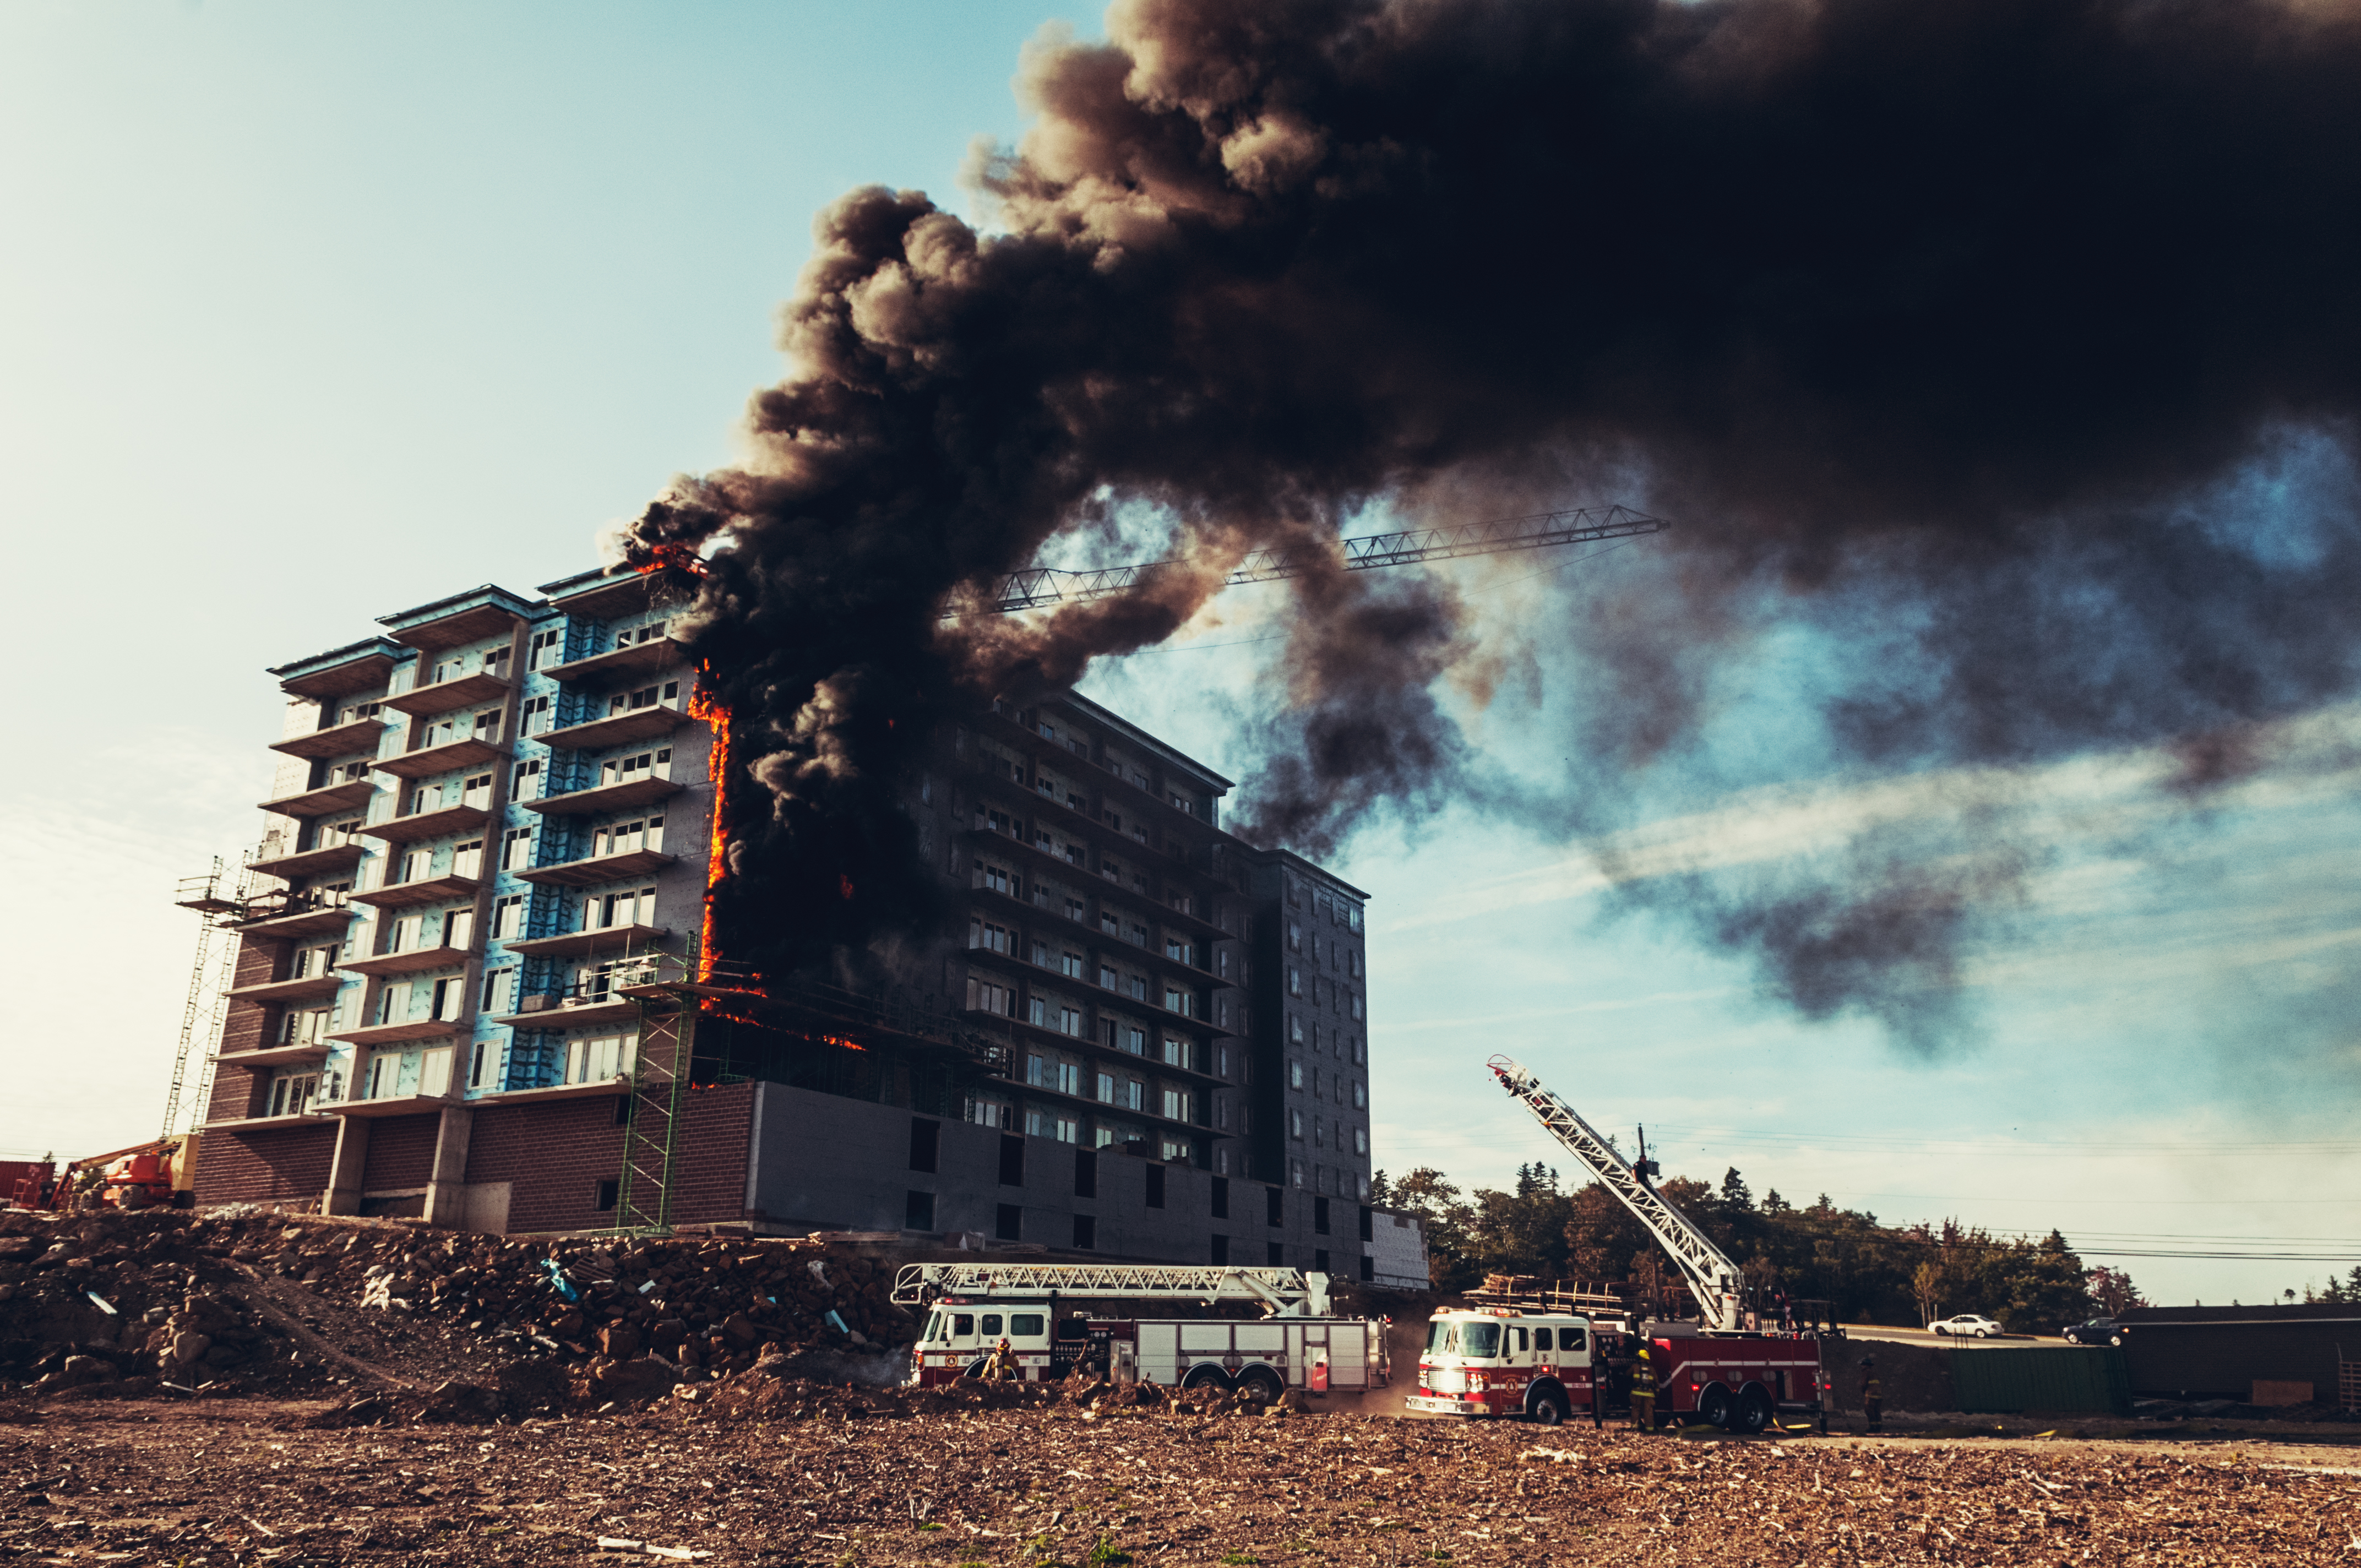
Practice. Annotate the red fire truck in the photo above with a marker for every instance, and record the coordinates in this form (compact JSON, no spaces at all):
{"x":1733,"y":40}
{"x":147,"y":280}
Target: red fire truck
{"x":1296,"y":1343}
{"x":1514,"y":1360}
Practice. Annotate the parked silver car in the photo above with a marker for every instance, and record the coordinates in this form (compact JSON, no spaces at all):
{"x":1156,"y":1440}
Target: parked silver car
{"x":1966,"y":1325}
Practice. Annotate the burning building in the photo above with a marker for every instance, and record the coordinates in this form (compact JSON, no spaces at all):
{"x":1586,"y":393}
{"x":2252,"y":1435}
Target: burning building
{"x":487,"y":988}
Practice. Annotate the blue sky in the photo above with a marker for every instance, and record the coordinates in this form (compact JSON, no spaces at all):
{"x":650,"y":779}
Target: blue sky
{"x":312,"y":312}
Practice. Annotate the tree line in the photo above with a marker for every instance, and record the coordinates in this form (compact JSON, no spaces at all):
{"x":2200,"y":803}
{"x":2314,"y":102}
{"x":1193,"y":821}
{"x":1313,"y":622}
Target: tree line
{"x":1864,"y":1271}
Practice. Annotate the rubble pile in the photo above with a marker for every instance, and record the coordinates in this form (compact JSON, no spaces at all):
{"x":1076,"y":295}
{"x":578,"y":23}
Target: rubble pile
{"x":109,"y":1297}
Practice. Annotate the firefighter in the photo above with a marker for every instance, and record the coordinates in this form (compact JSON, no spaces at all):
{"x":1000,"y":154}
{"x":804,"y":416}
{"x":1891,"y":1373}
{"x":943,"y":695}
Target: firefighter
{"x":1000,"y":1366}
{"x":1643,"y":1390}
{"x":1873,"y":1396}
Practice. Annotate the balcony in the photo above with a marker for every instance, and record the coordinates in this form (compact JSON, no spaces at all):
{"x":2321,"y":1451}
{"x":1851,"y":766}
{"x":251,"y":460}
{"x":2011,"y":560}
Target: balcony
{"x":356,"y":667}
{"x":416,"y":960}
{"x":425,"y":889}
{"x":653,"y":784}
{"x":449,"y":757}
{"x":274,"y":1056}
{"x":342,"y":740}
{"x":620,"y":663}
{"x":453,"y":622}
{"x":297,"y":918}
{"x":391,"y":1105}
{"x":605,"y":938}
{"x":600,"y":868}
{"x":578,"y":1006}
{"x":428,"y":824}
{"x":459,"y":691}
{"x":619,"y":730}
{"x":338,"y":857}
{"x":349,"y":796}
{"x":309,"y":988}
{"x":399,"y":1033}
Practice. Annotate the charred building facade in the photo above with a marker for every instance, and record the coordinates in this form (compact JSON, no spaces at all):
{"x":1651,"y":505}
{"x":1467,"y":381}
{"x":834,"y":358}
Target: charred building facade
{"x":477,"y":928}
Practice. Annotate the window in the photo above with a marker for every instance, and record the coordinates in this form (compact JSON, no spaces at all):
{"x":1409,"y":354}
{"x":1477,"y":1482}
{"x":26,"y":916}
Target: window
{"x":984,"y":934}
{"x":1360,"y":1140}
{"x":1108,"y":979}
{"x":988,"y":1113}
{"x":1274,"y":1207}
{"x":1356,"y":1005}
{"x":1156,"y":1186}
{"x":610,"y":1193}
{"x":1295,"y":1031}
{"x":1109,"y":923}
{"x":1138,"y":988}
{"x":1221,"y":1112}
{"x":1319,"y":1133}
{"x":292,"y":1093}
{"x":1071,"y":964}
{"x":599,"y":1058}
{"x":1295,"y":1171}
{"x":546,"y":648}
{"x":1294,"y":937}
{"x":468,"y":859}
{"x":1319,"y":1260}
{"x":636,"y":769}
{"x":1036,"y":1069}
{"x":1542,"y":1340}
{"x":524,"y":781}
{"x":1086,"y":1174}
{"x":1181,"y":1002}
{"x":1276,"y":1252}
{"x":1066,"y":1129}
{"x":538,"y":713}
{"x":991,"y":1324}
{"x":1320,"y":1216}
{"x":1294,"y":981}
{"x":1353,"y":963}
{"x":993,"y":878}
{"x":516,"y":849}
{"x":1011,"y":1170}
{"x":984,"y":996}
{"x":1069,"y":1080}
{"x":1075,"y":910}
{"x":1086,"y":1233}
{"x":1176,"y":1105}
{"x":477,"y":791}
{"x":483,"y":1062}
{"x":1294,"y":1073}
{"x":500,"y":990}
{"x":1040,"y":957}
{"x":1220,"y":1254}
{"x":918,"y":1212}
{"x":1069,"y":1022}
{"x":1106,"y":1089}
{"x":925,"y":1135}
{"x":1360,"y":1094}
{"x":634,"y":906}
{"x":1361,"y":1051}
{"x":1135,"y":1041}
{"x":1176,"y":1052}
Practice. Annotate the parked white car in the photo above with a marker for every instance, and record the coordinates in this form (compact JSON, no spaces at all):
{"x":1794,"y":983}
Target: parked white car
{"x":1969,"y":1325}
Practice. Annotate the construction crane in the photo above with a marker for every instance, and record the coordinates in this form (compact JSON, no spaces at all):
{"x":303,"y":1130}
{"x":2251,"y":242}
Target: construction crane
{"x":1282,"y":1292}
{"x":1712,"y":1278}
{"x":1039,"y":588}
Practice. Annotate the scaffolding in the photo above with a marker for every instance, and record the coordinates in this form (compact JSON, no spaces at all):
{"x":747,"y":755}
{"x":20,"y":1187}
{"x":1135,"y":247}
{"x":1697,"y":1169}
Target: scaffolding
{"x":220,"y":910}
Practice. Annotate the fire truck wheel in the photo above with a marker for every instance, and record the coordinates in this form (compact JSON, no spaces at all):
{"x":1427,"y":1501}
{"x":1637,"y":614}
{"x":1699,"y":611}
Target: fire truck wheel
{"x":1260,"y":1383}
{"x":1206,"y":1377}
{"x":1715,"y":1405}
{"x":1754,"y":1411}
{"x":1549,"y":1407}
{"x":975,"y":1367}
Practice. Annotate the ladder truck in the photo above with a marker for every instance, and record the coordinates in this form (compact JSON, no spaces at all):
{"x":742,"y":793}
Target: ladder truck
{"x":1505,"y":1360}
{"x":1296,"y":1343}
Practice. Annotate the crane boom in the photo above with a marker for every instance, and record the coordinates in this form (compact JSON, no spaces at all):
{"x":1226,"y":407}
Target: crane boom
{"x":1038,"y":588}
{"x":1712,"y":1278}
{"x":1282,"y":1292}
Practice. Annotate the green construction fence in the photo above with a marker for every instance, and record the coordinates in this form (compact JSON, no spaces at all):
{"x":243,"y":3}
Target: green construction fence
{"x":2002,"y":1380}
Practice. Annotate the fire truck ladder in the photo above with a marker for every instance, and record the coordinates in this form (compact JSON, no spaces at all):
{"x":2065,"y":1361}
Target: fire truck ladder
{"x":1712,"y":1278}
{"x":1037,"y":587}
{"x":1282,"y":1292}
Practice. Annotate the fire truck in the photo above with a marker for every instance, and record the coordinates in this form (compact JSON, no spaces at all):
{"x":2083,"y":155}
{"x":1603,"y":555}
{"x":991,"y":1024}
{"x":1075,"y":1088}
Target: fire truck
{"x":1296,"y":1343}
{"x":1724,"y":1368}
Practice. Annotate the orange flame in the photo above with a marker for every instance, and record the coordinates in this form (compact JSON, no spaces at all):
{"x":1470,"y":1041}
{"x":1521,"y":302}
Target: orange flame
{"x":703,"y":705}
{"x":673,"y":557}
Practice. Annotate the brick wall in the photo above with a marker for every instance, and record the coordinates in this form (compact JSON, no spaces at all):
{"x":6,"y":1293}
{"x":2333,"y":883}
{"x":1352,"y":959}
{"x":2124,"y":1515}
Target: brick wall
{"x":400,"y":1152}
{"x":239,"y":1092}
{"x":255,"y":1167}
{"x":555,"y":1154}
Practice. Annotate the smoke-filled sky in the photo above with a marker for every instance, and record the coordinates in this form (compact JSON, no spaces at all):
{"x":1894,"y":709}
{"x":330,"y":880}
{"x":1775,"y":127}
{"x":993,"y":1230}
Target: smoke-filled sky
{"x":1953,"y":813}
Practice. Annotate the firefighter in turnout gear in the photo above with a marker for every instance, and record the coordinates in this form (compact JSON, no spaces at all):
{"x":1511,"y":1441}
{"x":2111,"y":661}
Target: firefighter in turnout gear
{"x":1873,"y":1396}
{"x":1000,"y":1366}
{"x":1643,"y":1390}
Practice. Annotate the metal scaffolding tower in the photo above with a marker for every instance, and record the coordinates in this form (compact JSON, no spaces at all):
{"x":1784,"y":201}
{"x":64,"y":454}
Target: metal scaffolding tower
{"x":218,"y":908}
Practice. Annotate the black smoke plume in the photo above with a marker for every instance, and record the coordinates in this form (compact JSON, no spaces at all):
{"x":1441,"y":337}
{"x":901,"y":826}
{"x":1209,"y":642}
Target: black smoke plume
{"x":1928,"y":319}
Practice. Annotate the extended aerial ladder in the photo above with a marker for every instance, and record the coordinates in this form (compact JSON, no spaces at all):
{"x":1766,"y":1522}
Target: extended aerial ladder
{"x":1712,"y":1278}
{"x":1280,"y":1292}
{"x":1038,"y":588}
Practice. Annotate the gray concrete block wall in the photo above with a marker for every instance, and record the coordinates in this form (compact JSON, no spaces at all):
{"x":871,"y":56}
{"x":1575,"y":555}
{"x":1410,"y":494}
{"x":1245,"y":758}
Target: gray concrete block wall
{"x":819,"y":1161}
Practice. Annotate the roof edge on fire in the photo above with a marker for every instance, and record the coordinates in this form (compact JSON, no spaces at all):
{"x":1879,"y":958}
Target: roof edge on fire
{"x":1138,"y":737}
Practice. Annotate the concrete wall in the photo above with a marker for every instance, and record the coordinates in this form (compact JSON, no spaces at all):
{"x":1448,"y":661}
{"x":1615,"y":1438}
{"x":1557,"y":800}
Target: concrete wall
{"x":2225,"y":1360}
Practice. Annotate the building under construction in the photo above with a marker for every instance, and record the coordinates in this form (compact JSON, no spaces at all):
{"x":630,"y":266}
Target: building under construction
{"x":469,"y":987}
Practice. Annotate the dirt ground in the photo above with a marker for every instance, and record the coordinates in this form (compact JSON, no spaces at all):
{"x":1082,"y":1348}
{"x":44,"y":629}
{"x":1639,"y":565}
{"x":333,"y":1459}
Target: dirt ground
{"x":850,"y":1478}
